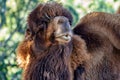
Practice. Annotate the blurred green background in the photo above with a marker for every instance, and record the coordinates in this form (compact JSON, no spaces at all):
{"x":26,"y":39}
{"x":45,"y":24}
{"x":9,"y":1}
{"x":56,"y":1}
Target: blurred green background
{"x":13,"y":15}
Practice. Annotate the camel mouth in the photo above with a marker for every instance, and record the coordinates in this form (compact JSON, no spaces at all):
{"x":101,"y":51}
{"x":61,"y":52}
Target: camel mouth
{"x":64,"y":38}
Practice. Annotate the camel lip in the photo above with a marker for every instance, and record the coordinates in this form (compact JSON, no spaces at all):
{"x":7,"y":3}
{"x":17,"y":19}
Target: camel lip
{"x":65,"y":37}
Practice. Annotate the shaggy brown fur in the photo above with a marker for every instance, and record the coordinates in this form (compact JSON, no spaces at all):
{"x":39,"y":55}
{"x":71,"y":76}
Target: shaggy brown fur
{"x":101,"y":32}
{"x":92,"y":54}
{"x":40,"y":56}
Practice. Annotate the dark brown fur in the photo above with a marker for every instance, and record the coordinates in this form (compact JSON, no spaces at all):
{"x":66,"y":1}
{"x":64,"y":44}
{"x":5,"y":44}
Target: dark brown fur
{"x":93,"y":53}
{"x":101,"y":32}
{"x":38,"y":54}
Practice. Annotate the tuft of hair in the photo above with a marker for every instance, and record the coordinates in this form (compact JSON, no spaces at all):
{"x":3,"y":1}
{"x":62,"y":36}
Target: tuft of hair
{"x":44,"y":13}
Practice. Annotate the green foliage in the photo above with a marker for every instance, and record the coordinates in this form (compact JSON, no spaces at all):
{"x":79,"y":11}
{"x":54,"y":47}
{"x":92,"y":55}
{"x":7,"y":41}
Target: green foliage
{"x":13,"y":15}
